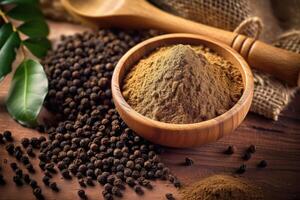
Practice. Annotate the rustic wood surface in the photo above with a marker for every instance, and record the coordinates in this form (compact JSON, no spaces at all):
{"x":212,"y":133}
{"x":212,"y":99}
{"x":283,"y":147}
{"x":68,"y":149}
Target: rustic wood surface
{"x":277,"y":142}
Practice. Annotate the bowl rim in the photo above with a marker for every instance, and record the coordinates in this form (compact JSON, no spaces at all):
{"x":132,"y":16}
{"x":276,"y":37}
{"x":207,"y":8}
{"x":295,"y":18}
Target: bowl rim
{"x":119,"y":99}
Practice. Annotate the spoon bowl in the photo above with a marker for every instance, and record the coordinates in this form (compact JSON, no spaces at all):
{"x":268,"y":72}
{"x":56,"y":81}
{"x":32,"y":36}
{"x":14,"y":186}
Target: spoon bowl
{"x":182,"y":135}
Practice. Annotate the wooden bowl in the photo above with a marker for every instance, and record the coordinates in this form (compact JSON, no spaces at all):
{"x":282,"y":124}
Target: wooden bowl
{"x":182,"y":135}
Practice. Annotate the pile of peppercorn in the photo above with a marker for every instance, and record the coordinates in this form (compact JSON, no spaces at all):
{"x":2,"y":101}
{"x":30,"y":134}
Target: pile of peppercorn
{"x":91,"y":142}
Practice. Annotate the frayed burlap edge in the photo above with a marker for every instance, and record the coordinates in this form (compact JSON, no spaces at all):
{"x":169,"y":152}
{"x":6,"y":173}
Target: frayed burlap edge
{"x":270,"y":96}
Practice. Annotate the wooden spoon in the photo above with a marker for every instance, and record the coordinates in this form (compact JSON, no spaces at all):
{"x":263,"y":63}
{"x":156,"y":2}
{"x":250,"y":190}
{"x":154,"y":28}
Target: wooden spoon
{"x":140,"y":14}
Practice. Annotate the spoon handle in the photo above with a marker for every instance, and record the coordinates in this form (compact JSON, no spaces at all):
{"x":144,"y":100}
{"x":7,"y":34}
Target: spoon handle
{"x":282,"y":64}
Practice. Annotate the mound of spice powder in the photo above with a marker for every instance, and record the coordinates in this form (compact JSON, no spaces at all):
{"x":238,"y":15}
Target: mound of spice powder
{"x":222,"y":187}
{"x":182,"y":84}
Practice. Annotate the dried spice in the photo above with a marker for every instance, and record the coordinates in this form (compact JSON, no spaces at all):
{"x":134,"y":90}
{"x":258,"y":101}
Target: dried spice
{"x":262,"y":164}
{"x":169,"y":196}
{"x":182,"y":84}
{"x":252,"y":149}
{"x":92,"y":142}
{"x":2,"y":180}
{"x":230,"y":150}
{"x":222,"y":187}
{"x":188,"y":161}
{"x":8,"y":136}
{"x":241,"y":169}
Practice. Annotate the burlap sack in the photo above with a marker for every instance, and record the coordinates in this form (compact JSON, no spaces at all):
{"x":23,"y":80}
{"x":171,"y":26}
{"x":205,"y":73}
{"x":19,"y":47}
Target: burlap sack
{"x":270,"y":95}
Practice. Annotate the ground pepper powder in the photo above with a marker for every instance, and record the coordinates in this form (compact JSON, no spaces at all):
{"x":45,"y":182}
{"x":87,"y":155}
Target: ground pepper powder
{"x":182,"y":84}
{"x":222,"y":187}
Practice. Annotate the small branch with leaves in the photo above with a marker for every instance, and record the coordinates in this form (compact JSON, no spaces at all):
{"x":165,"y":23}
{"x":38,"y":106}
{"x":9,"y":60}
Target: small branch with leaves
{"x":29,"y":84}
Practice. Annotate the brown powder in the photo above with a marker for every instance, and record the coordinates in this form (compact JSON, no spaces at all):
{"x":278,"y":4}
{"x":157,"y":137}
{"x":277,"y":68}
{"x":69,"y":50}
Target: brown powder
{"x":222,"y":187}
{"x":182,"y":84}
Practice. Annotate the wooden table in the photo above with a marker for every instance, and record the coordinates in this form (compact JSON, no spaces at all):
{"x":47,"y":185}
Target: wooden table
{"x":277,"y":142}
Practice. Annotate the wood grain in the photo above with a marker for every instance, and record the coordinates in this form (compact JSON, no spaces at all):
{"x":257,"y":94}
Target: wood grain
{"x":283,"y":64}
{"x":182,"y":135}
{"x":277,"y":142}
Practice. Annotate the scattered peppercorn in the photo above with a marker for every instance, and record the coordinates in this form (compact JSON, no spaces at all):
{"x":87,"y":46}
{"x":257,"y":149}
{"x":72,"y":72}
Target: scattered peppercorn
{"x":26,"y":178}
{"x":252,"y":148}
{"x":8,"y":136}
{"x":262,"y":164}
{"x":81,"y":182}
{"x":25,"y":142}
{"x":81,"y":194}
{"x":92,"y":142}
{"x":33,"y":184}
{"x":138,"y":190}
{"x":54,"y":186}
{"x":230,"y":150}
{"x":2,"y":180}
{"x":30,"y":168}
{"x":46,"y":180}
{"x":37,"y":192}
{"x":241,"y":169}
{"x":18,"y":180}
{"x":188,"y":161}
{"x":2,"y":139}
{"x":14,"y":166}
{"x":247,"y":155}
{"x":10,"y":148}
{"x":169,"y":196}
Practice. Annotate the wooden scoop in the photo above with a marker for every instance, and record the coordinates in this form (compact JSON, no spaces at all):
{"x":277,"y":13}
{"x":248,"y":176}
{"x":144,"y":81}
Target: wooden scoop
{"x":141,"y":14}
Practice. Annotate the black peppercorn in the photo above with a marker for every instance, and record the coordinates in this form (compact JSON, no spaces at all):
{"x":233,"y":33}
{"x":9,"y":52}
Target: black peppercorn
{"x":8,"y":136}
{"x":116,"y":191}
{"x":247,"y":155}
{"x":65,"y":173}
{"x":230,"y":150}
{"x":188,"y":161}
{"x":25,"y":142}
{"x":241,"y":169}
{"x":89,"y":181}
{"x":262,"y":164}
{"x":46,"y":180}
{"x":33,"y":184}
{"x":37,"y":192}
{"x":138,"y":190}
{"x":14,"y":166}
{"x":30,"y":168}
{"x":26,"y":178}
{"x":169,"y":196}
{"x":108,"y":187}
{"x":177,"y":183}
{"x":81,"y":182}
{"x":2,"y":180}
{"x":10,"y":148}
{"x":18,"y":180}
{"x":130,"y":181}
{"x":19,"y":172}
{"x":252,"y":148}
{"x":91,"y":140}
{"x":82,"y":194}
{"x":54,"y":186}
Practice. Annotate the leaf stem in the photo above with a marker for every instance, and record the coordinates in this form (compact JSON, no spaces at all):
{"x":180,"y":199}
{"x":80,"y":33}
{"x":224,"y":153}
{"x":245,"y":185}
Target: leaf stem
{"x":2,"y":14}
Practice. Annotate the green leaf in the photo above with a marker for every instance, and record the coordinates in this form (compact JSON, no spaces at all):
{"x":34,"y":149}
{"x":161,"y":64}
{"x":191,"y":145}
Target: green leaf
{"x":19,"y":1}
{"x":5,"y":32}
{"x":25,"y":12}
{"x":8,"y":53}
{"x":35,"y":28}
{"x":38,"y":46}
{"x":27,"y":92}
